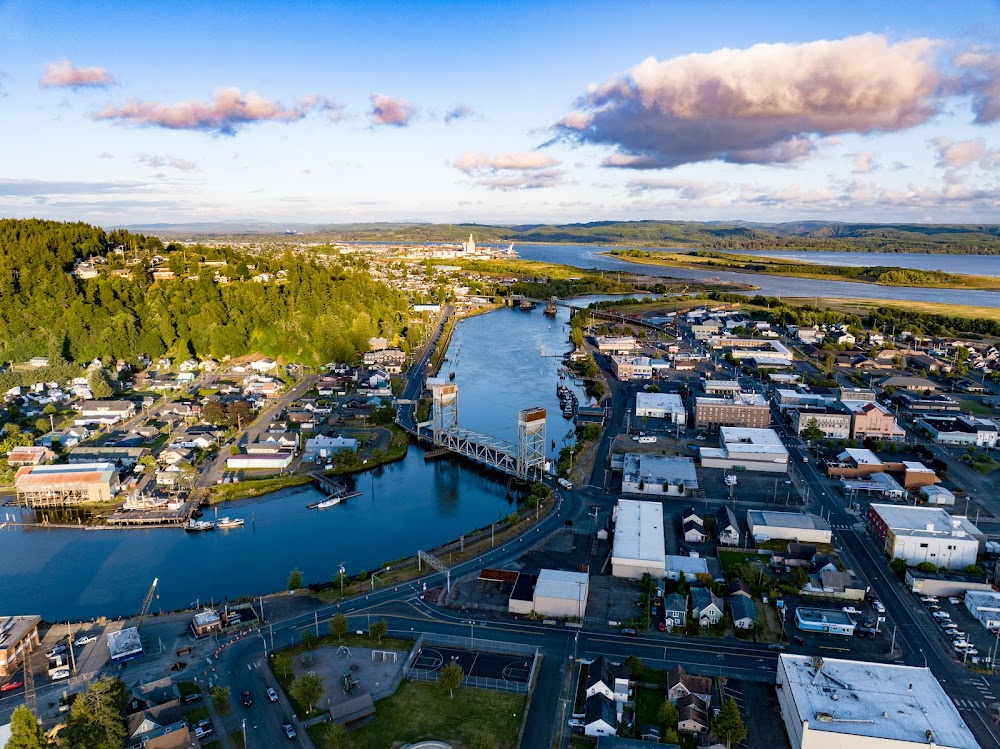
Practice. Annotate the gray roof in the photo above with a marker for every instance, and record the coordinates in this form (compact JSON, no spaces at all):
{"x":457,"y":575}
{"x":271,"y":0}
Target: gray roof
{"x":600,"y":707}
{"x":742,"y":608}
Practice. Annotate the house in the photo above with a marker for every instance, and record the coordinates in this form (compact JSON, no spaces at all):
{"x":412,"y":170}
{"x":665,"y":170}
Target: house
{"x":263,"y":365}
{"x":675,"y":610}
{"x":692,"y":714}
{"x":694,"y":530}
{"x":154,"y":721}
{"x":908,"y":383}
{"x":681,"y":684}
{"x":738,"y":588}
{"x":608,"y":679}
{"x":706,"y":607}
{"x":795,"y":555}
{"x":687,"y":567}
{"x":727,"y":528}
{"x":104,"y":412}
{"x":182,"y":738}
{"x":600,"y":716}
{"x":744,"y":612}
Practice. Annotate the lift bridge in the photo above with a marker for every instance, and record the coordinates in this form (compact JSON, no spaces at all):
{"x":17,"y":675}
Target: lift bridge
{"x":524,"y":461}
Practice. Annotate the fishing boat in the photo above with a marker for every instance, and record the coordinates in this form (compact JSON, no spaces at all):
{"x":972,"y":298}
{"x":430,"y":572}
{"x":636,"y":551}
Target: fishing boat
{"x":229,"y":522}
{"x":195,"y":526}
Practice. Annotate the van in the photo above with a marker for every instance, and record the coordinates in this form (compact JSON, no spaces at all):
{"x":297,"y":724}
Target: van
{"x":564,"y":483}
{"x":647,"y":440}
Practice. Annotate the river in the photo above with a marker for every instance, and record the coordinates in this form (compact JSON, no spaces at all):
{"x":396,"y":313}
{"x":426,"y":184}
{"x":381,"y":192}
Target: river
{"x":409,"y":505}
{"x":587,"y":256}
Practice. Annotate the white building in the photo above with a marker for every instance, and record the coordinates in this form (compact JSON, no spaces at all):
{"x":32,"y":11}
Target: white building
{"x":791,"y":526}
{"x":661,"y":475}
{"x":616,"y":344}
{"x":925,"y":534}
{"x":561,"y":593}
{"x":722,"y":387}
{"x":985,"y":606}
{"x":743,"y":449}
{"x":831,"y":703}
{"x":279,"y":459}
{"x":104,"y":412}
{"x":667,"y":406}
{"x":937,"y":495}
{"x":325,"y":447}
{"x":639,"y":541}
{"x":687,"y":567}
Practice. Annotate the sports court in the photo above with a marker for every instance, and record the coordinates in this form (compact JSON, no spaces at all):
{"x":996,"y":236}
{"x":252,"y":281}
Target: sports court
{"x":512,"y":668}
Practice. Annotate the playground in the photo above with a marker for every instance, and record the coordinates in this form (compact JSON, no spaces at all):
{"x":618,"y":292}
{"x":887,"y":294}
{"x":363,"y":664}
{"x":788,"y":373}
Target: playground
{"x":348,"y":672}
{"x":511,"y":668}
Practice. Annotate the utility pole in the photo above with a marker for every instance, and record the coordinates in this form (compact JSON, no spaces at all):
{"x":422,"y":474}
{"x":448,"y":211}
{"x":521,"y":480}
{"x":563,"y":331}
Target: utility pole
{"x":69,"y":641}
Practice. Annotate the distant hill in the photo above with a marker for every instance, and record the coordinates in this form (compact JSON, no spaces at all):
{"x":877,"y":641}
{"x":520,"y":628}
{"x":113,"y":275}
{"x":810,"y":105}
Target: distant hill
{"x":716,"y":235}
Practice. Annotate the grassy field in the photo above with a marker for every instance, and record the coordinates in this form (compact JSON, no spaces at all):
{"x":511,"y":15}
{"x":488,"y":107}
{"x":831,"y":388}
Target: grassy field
{"x":976,"y":407}
{"x":423,"y":711}
{"x":254,"y":487}
{"x":729,"y":558}
{"x":863,"y":306}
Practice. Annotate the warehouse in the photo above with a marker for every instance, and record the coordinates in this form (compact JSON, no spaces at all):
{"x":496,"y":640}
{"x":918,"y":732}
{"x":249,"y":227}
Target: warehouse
{"x":925,"y":534}
{"x":279,"y":459}
{"x":747,"y":450}
{"x":791,"y":526}
{"x":827,"y":621}
{"x":125,"y":458}
{"x":660,"y":406}
{"x":63,"y":486}
{"x":664,"y":475}
{"x":831,"y":703}
{"x":639,"y":546}
{"x":985,"y":606}
{"x":18,"y":634}
{"x":561,"y":593}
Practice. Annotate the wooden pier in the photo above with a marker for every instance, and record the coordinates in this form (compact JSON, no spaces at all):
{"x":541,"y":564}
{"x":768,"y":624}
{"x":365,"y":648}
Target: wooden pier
{"x":153,"y":517}
{"x":435,"y":454}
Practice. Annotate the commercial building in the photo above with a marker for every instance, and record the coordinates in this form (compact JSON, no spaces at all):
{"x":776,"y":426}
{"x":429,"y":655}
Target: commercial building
{"x":18,"y":637}
{"x":206,"y":622}
{"x":831,"y":703}
{"x":124,"y":458}
{"x":104,"y":413}
{"x":124,"y":645}
{"x":925,"y":534}
{"x":616,"y":344}
{"x":277,"y":460}
{"x":747,"y":450}
{"x":561,"y":593}
{"x":961,"y":430}
{"x":661,"y":475}
{"x":818,"y":398}
{"x":873,"y":420}
{"x":764,"y":352}
{"x":638,"y":546}
{"x":632,"y":367}
{"x":828,"y":621}
{"x":944,"y":582}
{"x":727,"y":388}
{"x":984,"y":606}
{"x":835,"y":423}
{"x":667,"y":406}
{"x":741,"y":410}
{"x":325,"y":447}
{"x":29,"y":456}
{"x":913,"y":384}
{"x":791,"y":526}
{"x":880,"y":485}
{"x":66,"y":485}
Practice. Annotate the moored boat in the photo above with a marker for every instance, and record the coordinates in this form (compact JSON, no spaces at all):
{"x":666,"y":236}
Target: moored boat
{"x":194,"y":526}
{"x":229,"y":522}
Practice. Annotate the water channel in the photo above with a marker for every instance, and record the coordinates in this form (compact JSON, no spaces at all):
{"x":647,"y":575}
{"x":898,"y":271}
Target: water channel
{"x":498,"y":364}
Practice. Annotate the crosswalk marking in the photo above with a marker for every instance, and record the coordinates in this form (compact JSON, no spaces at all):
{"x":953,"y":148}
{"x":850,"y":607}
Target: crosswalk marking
{"x":969,"y":704}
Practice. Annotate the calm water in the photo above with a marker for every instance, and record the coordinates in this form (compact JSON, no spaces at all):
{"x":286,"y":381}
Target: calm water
{"x":586,"y":256}
{"x":975,"y":265}
{"x":80,"y":574}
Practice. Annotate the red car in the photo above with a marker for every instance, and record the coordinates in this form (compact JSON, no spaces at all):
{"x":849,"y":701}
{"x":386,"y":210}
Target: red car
{"x":11,"y":685}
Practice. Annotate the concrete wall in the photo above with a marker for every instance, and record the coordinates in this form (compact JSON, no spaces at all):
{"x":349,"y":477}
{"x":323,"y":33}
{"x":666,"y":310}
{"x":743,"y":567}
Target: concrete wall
{"x":635,"y":568}
{"x":910,"y":548}
{"x":762,"y":466}
{"x":562,"y":607}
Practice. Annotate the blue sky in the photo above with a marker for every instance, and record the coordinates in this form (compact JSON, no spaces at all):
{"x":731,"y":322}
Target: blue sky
{"x":329,"y":112}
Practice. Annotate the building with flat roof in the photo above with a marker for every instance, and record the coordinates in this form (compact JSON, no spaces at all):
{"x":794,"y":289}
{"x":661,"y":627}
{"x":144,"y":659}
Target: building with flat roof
{"x":961,"y":430}
{"x":943,"y":582}
{"x":561,"y":593}
{"x":662,"y":475}
{"x":743,"y":449}
{"x":831,"y":703}
{"x":880,"y":485}
{"x":764,"y":351}
{"x":123,"y":457}
{"x":206,"y":622}
{"x":632,"y":367}
{"x":749,"y":410}
{"x":870,"y":419}
{"x":925,"y":534}
{"x":279,"y":459}
{"x":639,"y":545}
{"x":667,"y":406}
{"x":18,"y":637}
{"x":835,"y":423}
{"x":66,"y":485}
{"x":984,"y":606}
{"x":124,"y":645}
{"x":616,"y":344}
{"x":766,"y":525}
{"x":828,"y":621}
{"x":722,"y":387}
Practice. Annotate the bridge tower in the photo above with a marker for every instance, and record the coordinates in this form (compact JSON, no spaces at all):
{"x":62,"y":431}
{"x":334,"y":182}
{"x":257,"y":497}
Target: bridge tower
{"x":530,"y":443}
{"x":444,"y":412}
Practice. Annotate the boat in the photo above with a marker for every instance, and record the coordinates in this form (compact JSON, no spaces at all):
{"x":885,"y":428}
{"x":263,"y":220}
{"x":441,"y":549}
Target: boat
{"x":194,"y":526}
{"x":229,"y":523}
{"x":330,"y":502}
{"x":451,"y":375}
{"x":526,"y":304}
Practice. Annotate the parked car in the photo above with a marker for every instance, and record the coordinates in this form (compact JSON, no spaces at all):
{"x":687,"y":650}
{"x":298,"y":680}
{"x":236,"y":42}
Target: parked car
{"x":954,"y":600}
{"x":928,"y":599}
{"x":203,"y":729}
{"x":878,"y":606}
{"x":247,"y":699}
{"x":85,"y":640}
{"x":289,"y":730}
{"x":57,"y":650}
{"x":10,"y":685}
{"x":798,"y":640}
{"x":628,"y":632}
{"x":60,"y":673}
{"x":941,"y":615}
{"x":576,"y":723}
{"x":272,"y":695}
{"x":777,"y":648}
{"x":662,"y":626}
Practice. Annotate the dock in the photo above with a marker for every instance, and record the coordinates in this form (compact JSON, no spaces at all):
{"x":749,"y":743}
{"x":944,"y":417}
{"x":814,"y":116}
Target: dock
{"x":159,"y":516}
{"x":326,"y":484}
{"x":435,"y":454}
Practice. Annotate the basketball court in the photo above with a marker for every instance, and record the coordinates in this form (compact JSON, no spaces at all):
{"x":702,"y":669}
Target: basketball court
{"x":512,"y":668}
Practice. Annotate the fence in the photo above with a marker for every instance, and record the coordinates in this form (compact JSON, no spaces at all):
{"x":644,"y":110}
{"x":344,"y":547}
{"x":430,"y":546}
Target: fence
{"x":477,"y":682}
{"x":483,"y":646}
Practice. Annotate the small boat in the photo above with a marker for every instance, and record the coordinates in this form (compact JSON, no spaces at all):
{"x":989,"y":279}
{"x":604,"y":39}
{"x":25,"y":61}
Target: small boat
{"x":229,"y":523}
{"x":451,"y":375}
{"x":330,"y":502}
{"x":194,"y":526}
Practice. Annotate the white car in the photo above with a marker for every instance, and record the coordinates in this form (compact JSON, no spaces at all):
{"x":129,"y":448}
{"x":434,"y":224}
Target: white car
{"x":850,"y":610}
{"x":86,"y":640}
{"x":60,"y":673}
{"x":928,"y":599}
{"x":941,"y":615}
{"x":954,"y":600}
{"x":878,"y":606}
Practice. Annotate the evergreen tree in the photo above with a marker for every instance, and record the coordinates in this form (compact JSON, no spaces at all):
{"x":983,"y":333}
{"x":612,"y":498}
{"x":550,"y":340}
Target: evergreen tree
{"x":25,"y":731}
{"x":728,"y":724}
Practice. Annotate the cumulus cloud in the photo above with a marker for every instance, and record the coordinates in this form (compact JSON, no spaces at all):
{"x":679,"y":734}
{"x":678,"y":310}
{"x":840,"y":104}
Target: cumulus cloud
{"x":159,"y":162}
{"x":64,"y":75}
{"x":510,"y":171}
{"x":962,"y":153}
{"x":228,"y":111}
{"x":388,"y":110}
{"x":864,"y":162}
{"x":460,"y":112}
{"x":980,"y":76}
{"x":766,"y":104}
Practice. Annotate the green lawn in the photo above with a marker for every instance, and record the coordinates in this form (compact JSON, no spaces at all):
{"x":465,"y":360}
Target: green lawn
{"x":729,"y":558}
{"x":647,"y":703}
{"x":195,"y":714}
{"x":423,"y":711}
{"x":976,"y":407}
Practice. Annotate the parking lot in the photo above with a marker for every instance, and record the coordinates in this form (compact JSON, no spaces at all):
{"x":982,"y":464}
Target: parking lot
{"x":952,"y":622}
{"x":764,"y":488}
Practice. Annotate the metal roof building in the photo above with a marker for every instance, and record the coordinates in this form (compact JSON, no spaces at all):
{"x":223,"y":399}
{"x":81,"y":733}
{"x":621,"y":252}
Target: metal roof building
{"x":64,"y":485}
{"x":639,"y":542}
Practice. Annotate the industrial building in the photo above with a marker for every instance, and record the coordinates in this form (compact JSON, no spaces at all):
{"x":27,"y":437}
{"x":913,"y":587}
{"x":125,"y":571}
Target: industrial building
{"x":668,"y":406}
{"x":662,"y":475}
{"x":791,"y":526}
{"x":18,"y":637}
{"x":925,"y":534}
{"x":741,"y":410}
{"x":943,"y":583}
{"x":937,"y":495}
{"x":830,"y":703}
{"x":279,"y":459}
{"x":961,"y":430}
{"x":125,"y":458}
{"x":325,"y":447}
{"x":66,"y":485}
{"x":827,"y":621}
{"x":616,"y":344}
{"x":639,"y":546}
{"x":984,"y":606}
{"x":747,"y":450}
{"x":561,"y":593}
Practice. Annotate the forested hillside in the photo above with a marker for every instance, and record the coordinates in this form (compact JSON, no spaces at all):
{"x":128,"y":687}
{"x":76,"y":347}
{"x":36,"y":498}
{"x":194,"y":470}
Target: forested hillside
{"x":316,"y":314}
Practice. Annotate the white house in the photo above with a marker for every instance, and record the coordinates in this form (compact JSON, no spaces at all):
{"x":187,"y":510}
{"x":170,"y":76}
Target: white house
{"x":688,"y":567}
{"x":706,"y":607}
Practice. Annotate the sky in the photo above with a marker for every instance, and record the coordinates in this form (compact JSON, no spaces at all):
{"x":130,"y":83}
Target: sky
{"x":121,"y":113}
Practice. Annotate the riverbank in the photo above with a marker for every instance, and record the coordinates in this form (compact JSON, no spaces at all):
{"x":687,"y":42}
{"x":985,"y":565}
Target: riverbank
{"x":878,"y":275}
